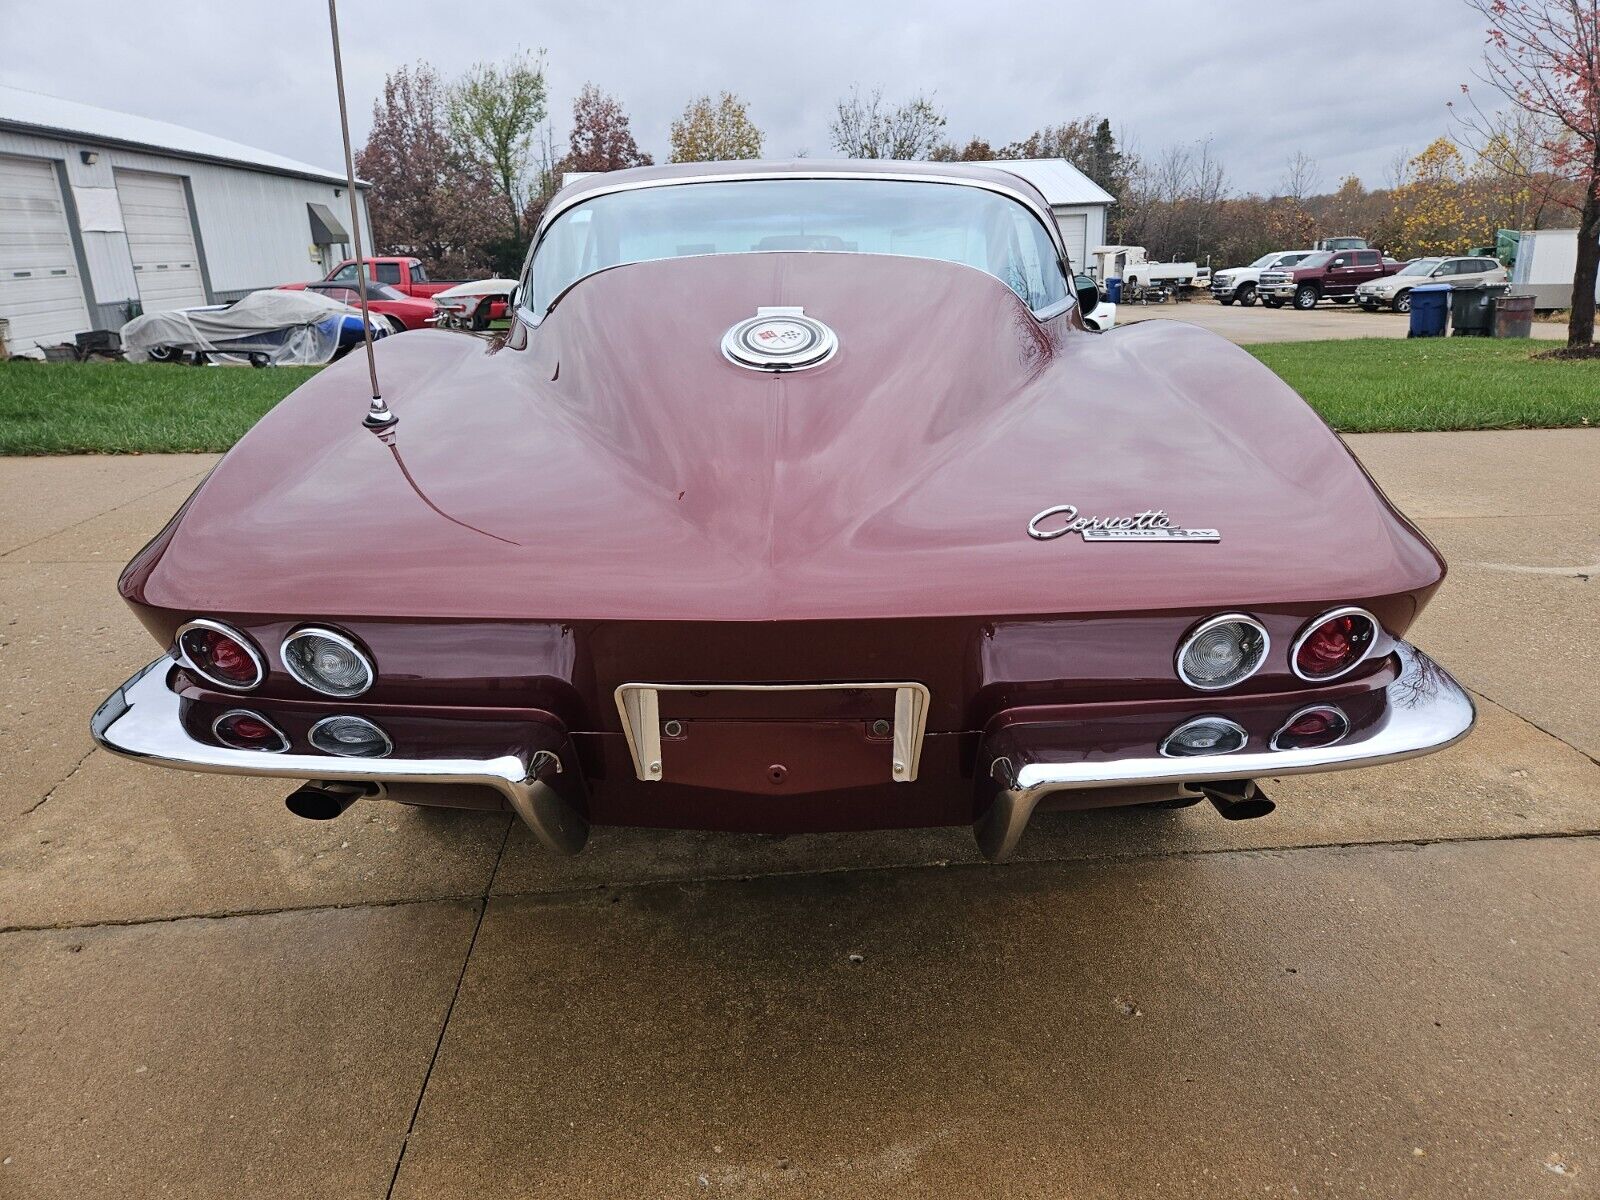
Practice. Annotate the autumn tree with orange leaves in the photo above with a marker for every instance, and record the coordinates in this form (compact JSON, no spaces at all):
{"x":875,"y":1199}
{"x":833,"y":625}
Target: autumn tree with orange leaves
{"x":1544,"y":57}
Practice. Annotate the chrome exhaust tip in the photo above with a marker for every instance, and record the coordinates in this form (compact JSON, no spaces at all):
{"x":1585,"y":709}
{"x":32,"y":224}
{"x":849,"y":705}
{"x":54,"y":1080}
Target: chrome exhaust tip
{"x":325,"y":801}
{"x":1235,"y":799}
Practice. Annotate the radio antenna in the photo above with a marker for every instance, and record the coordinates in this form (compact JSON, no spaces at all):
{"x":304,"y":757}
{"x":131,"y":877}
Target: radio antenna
{"x":378,"y":415}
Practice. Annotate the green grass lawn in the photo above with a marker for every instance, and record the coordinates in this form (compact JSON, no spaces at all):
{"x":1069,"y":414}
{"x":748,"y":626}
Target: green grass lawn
{"x":1360,"y":386}
{"x":1372,"y":385}
{"x":134,"y":408}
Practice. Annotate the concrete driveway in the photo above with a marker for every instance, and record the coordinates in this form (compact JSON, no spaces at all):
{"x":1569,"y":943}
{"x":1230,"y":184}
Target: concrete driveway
{"x":1261,"y":324}
{"x":1389,"y":988}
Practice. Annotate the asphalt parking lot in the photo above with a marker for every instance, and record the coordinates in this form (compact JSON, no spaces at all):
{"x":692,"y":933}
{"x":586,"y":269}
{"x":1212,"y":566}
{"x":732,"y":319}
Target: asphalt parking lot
{"x":1389,"y":988}
{"x":1261,"y":324}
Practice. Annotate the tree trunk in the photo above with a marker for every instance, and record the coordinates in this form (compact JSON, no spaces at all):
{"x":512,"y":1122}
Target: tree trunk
{"x":1580,"y":325}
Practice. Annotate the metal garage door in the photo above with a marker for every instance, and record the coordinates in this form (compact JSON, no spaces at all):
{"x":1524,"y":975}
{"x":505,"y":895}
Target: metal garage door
{"x":41,"y":294}
{"x":155,"y":210}
{"x":1074,"y":230}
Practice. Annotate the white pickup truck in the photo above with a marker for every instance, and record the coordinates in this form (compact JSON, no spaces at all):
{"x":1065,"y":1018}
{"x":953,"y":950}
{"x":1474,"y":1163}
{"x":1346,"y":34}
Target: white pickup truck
{"x":1240,"y":283}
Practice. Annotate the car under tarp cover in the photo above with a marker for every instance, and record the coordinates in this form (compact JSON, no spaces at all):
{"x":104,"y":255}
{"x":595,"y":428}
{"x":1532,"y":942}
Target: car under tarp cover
{"x":288,"y":328}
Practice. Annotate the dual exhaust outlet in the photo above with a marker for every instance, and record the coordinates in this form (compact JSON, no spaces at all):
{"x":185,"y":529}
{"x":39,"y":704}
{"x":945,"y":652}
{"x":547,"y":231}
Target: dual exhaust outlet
{"x":325,"y":801}
{"x":1234,"y":799}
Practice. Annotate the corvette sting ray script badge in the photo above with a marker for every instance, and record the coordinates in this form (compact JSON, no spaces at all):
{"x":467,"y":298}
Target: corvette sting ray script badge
{"x":1151,"y":525}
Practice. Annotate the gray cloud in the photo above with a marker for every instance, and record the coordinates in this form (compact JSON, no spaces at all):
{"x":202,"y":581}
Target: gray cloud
{"x":1260,"y":78}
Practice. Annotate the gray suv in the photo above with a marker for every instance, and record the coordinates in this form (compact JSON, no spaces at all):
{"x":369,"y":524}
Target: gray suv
{"x":1395,"y":290}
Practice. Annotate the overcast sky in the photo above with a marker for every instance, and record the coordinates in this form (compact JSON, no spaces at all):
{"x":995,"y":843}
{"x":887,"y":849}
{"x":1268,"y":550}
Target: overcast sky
{"x":1261,"y":78}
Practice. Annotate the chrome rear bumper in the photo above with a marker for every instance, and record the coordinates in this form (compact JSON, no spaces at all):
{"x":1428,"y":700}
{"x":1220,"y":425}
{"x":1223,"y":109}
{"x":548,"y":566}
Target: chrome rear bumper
{"x":142,"y":720}
{"x":1424,"y":710}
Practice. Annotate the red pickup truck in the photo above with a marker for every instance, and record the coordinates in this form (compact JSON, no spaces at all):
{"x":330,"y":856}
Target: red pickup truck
{"x":405,"y":275}
{"x":1328,"y":275}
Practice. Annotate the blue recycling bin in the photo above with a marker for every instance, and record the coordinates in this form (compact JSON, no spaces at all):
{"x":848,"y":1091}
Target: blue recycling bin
{"x":1430,"y":310}
{"x":1114,"y":290}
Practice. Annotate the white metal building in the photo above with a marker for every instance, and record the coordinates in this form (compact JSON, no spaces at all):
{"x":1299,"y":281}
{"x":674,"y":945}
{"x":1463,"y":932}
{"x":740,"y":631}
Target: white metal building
{"x":104,"y":215}
{"x":1079,"y":202}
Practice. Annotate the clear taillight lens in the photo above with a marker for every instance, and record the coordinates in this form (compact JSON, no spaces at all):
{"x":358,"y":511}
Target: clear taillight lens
{"x":1202,"y":736}
{"x":328,"y":662}
{"x":350,"y":737}
{"x":1333,"y":644}
{"x":1222,"y":651}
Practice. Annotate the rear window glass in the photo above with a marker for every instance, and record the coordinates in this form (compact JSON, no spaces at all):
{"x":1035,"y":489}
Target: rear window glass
{"x":950,"y":222}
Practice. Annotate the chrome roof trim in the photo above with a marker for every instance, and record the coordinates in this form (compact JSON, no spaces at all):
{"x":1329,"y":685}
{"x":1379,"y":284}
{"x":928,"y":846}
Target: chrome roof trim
{"x":558,"y":206}
{"x":1044,"y":215}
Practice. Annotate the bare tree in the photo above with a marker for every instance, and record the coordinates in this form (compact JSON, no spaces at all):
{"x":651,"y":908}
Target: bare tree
{"x":865,"y":127}
{"x":1397,"y":169}
{"x":1300,"y":177}
{"x":1543,"y":57}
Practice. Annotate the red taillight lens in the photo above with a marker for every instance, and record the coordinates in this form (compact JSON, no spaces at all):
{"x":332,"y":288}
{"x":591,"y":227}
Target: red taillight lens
{"x":228,"y":658}
{"x":220,"y":655}
{"x":1334,"y":645}
{"x":1320,"y":725}
{"x":245,"y":730}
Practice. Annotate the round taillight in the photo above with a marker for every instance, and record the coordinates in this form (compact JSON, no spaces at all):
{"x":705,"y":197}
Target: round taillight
{"x":350,"y":737}
{"x":1318,"y":725}
{"x":242,"y":729}
{"x":1333,"y":644}
{"x":1222,"y":651}
{"x":1204,"y":735}
{"x":220,"y":655}
{"x":328,"y":662}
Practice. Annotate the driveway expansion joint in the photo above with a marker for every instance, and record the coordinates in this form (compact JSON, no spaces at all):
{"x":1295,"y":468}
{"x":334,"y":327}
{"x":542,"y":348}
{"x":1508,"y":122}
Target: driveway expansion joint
{"x":1530,"y":722}
{"x":449,"y":1010}
{"x":640,"y":885}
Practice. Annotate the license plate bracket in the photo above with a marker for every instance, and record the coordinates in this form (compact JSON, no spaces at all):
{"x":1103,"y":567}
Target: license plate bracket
{"x":640,"y":705}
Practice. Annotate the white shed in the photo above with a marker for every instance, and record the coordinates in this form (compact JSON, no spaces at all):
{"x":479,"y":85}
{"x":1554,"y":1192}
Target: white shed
{"x":1079,"y":202}
{"x":104,"y":215}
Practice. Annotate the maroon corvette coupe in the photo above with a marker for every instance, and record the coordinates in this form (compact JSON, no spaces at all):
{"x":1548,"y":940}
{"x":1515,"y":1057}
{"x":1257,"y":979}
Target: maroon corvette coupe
{"x":797,"y":497}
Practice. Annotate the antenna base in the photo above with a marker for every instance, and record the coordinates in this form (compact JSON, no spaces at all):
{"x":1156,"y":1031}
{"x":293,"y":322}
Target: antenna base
{"x":379,"y":416}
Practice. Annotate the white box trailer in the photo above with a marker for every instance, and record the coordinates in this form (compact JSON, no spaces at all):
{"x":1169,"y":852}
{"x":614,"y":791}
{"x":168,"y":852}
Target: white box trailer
{"x":1546,"y":260}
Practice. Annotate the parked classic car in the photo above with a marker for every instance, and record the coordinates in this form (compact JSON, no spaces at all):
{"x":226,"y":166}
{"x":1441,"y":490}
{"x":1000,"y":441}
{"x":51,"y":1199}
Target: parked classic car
{"x":1240,"y":283}
{"x":1395,"y":290}
{"x":405,"y":275}
{"x":473,"y":305}
{"x":265,"y":328}
{"x":399,"y":311}
{"x":1326,"y":275}
{"x":796,"y":497}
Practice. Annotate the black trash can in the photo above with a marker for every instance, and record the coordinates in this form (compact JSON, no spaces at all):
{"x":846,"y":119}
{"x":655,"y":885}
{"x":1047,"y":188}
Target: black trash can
{"x":1472,"y":309}
{"x":1513,"y":317}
